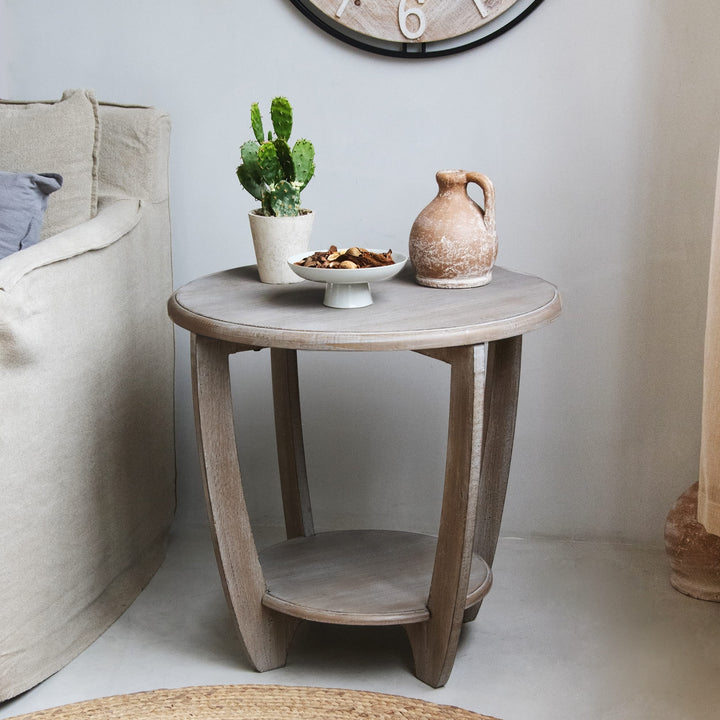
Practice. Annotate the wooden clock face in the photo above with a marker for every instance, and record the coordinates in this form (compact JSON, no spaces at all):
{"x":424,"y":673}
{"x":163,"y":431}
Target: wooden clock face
{"x":418,"y":28}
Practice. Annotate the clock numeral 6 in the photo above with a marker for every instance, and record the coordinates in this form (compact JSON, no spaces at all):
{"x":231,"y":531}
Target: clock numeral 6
{"x":404,"y":14}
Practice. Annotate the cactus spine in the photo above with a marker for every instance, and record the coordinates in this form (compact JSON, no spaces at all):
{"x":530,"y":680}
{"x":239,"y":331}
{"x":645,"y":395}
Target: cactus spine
{"x":270,"y":171}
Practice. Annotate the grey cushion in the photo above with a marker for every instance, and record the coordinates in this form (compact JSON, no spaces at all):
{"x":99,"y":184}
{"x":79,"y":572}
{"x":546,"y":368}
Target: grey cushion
{"x":23,"y":200}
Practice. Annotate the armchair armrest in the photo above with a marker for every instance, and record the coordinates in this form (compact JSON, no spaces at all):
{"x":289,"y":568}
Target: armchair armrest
{"x":110,"y":224}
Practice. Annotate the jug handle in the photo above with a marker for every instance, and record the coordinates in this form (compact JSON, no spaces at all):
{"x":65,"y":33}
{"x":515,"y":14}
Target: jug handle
{"x":489,"y":192}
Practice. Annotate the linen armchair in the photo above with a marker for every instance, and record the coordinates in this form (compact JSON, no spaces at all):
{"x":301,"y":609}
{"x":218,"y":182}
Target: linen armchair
{"x":87,"y":458}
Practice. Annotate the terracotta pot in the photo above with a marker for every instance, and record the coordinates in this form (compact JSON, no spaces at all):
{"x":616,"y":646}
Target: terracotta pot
{"x":275,"y":239}
{"x":453,"y":242}
{"x":694,"y":553}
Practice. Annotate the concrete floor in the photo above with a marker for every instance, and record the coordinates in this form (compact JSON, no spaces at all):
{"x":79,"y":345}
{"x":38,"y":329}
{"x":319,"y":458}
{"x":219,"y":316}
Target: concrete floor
{"x":569,"y":631}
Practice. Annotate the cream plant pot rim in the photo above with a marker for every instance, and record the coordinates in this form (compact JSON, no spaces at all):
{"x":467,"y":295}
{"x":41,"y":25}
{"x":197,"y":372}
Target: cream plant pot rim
{"x":275,"y":239}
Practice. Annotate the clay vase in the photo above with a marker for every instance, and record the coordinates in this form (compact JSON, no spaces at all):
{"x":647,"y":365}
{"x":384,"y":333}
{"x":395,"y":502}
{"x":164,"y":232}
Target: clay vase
{"x":453,"y":243}
{"x":694,"y":553}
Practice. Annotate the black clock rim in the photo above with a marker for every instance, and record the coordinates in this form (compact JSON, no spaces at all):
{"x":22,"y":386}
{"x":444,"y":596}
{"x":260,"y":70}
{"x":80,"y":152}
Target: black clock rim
{"x":423,"y":53}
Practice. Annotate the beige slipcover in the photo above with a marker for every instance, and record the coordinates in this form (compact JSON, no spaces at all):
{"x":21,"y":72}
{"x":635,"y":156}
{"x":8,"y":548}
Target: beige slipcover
{"x":87,"y":465}
{"x":709,"y":485}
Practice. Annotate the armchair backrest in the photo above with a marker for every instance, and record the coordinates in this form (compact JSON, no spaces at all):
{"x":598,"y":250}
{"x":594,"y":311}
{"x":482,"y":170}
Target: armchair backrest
{"x":134,"y":148}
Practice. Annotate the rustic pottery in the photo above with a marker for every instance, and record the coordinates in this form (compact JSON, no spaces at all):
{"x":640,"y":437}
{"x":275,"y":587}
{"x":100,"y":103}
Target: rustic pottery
{"x":694,"y":554}
{"x":453,"y":242}
{"x":275,"y":239}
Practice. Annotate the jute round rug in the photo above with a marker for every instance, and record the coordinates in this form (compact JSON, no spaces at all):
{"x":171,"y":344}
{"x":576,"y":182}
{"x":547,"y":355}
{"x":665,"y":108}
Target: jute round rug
{"x":254,"y":702}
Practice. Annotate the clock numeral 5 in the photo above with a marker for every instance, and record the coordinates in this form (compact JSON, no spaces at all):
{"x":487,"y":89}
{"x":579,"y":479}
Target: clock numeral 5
{"x":404,"y":14}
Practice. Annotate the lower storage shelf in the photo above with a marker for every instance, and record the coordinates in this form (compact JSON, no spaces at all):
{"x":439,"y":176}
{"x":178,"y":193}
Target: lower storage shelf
{"x":358,"y":577}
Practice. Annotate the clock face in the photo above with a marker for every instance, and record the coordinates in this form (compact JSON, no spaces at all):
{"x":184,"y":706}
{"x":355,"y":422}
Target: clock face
{"x":416,"y":27}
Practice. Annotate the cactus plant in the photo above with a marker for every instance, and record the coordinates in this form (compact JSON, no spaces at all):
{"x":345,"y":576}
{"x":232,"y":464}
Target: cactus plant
{"x":270,"y":171}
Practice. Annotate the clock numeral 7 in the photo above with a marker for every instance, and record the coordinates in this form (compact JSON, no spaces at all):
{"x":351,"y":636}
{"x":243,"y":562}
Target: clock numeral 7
{"x":404,"y":14}
{"x":342,"y":7}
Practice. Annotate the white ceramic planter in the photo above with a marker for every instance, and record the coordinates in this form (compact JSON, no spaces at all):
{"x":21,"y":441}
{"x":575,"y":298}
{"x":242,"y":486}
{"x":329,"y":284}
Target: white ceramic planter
{"x":277,"y":238}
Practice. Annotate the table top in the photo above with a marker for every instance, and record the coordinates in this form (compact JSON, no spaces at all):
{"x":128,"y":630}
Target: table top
{"x":235,"y":306}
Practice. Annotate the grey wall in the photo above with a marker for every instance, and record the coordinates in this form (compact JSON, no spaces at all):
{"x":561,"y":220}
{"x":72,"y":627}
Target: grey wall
{"x":598,"y":123}
{"x":5,"y":48}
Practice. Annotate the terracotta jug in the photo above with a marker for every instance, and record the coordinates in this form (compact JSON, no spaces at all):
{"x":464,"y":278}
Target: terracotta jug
{"x":453,"y":243}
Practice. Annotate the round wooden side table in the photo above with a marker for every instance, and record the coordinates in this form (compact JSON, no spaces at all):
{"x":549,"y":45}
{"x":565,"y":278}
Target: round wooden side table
{"x":426,"y":584}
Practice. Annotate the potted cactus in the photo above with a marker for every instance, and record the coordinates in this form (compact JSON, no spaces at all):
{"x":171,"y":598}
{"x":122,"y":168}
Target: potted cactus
{"x":275,"y":174}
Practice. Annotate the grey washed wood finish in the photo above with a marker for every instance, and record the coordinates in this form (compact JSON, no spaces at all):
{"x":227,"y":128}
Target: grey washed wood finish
{"x":233,"y":306}
{"x":434,"y":643}
{"x":289,"y":441}
{"x":265,"y":635}
{"x":501,"y":398}
{"x":386,"y":584}
{"x":428,"y":585}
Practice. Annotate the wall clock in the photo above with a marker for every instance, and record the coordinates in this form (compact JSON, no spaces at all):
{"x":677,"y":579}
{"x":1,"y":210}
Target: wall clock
{"x":416,"y":28}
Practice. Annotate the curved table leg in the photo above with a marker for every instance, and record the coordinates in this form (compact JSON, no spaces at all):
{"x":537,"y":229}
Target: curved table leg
{"x":265,"y":635}
{"x":290,"y":448}
{"x":503,"y":383}
{"x":434,"y":642}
